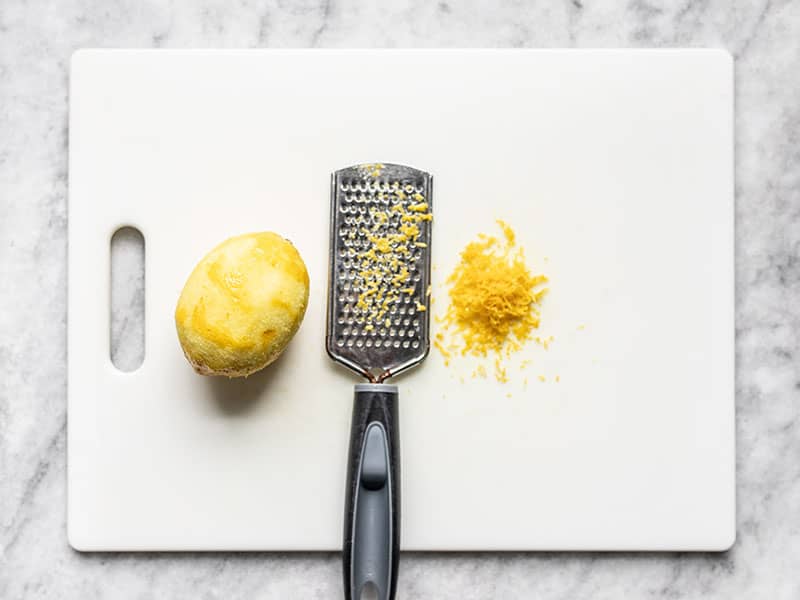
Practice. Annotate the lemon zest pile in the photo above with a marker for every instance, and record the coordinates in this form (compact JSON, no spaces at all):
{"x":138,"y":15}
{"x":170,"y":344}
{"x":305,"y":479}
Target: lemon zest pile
{"x":495,"y":301}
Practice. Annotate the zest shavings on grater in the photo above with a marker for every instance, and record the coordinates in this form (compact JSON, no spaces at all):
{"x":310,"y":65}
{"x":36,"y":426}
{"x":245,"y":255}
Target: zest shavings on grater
{"x":385,"y":265}
{"x":494,"y":303}
{"x":378,"y":311}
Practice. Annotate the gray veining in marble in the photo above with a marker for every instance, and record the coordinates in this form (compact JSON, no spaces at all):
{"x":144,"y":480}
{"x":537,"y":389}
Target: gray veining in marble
{"x":36,"y":39}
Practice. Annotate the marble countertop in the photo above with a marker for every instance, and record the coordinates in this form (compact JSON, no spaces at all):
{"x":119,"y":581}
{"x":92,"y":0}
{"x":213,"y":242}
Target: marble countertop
{"x":36,"y":40}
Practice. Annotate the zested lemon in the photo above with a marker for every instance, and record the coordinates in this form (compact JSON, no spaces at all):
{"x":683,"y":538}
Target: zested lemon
{"x":242,"y":305}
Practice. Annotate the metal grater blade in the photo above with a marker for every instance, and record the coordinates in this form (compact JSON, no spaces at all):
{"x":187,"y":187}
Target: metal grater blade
{"x":378,"y":288}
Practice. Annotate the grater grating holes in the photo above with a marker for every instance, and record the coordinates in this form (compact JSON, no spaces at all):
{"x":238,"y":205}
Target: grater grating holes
{"x":365,"y":211}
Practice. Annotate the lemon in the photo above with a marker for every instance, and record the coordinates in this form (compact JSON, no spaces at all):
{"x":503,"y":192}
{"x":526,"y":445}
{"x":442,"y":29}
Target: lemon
{"x":242,"y":304}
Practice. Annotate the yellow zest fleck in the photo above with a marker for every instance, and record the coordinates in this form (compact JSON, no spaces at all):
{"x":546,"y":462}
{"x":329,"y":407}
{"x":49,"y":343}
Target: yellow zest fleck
{"x":500,"y":372}
{"x":381,"y":244}
{"x":542,"y":378}
{"x":558,"y":378}
{"x":373,"y":170}
{"x":480,"y":371}
{"x":409,"y":230}
{"x":511,"y":237}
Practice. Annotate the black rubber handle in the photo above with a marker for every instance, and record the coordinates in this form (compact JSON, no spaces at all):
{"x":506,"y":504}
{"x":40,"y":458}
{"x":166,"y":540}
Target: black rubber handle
{"x":372,"y":506}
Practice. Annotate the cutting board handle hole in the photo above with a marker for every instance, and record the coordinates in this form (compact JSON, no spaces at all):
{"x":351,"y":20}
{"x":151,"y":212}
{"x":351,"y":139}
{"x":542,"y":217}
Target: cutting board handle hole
{"x":126,"y":322}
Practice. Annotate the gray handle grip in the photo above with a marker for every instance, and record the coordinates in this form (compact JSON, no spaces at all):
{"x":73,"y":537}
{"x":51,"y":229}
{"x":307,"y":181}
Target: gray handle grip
{"x":371,"y":536}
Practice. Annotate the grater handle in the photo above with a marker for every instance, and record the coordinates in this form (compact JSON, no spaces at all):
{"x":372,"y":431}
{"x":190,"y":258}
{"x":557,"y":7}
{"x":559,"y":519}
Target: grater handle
{"x":372,"y":507}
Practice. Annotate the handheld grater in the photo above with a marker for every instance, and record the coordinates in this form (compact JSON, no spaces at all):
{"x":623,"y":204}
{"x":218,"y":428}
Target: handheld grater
{"x":378,"y":326}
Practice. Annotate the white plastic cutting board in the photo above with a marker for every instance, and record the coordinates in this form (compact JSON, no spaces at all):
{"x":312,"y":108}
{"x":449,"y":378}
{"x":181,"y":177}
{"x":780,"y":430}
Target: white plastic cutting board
{"x":614,"y":167}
